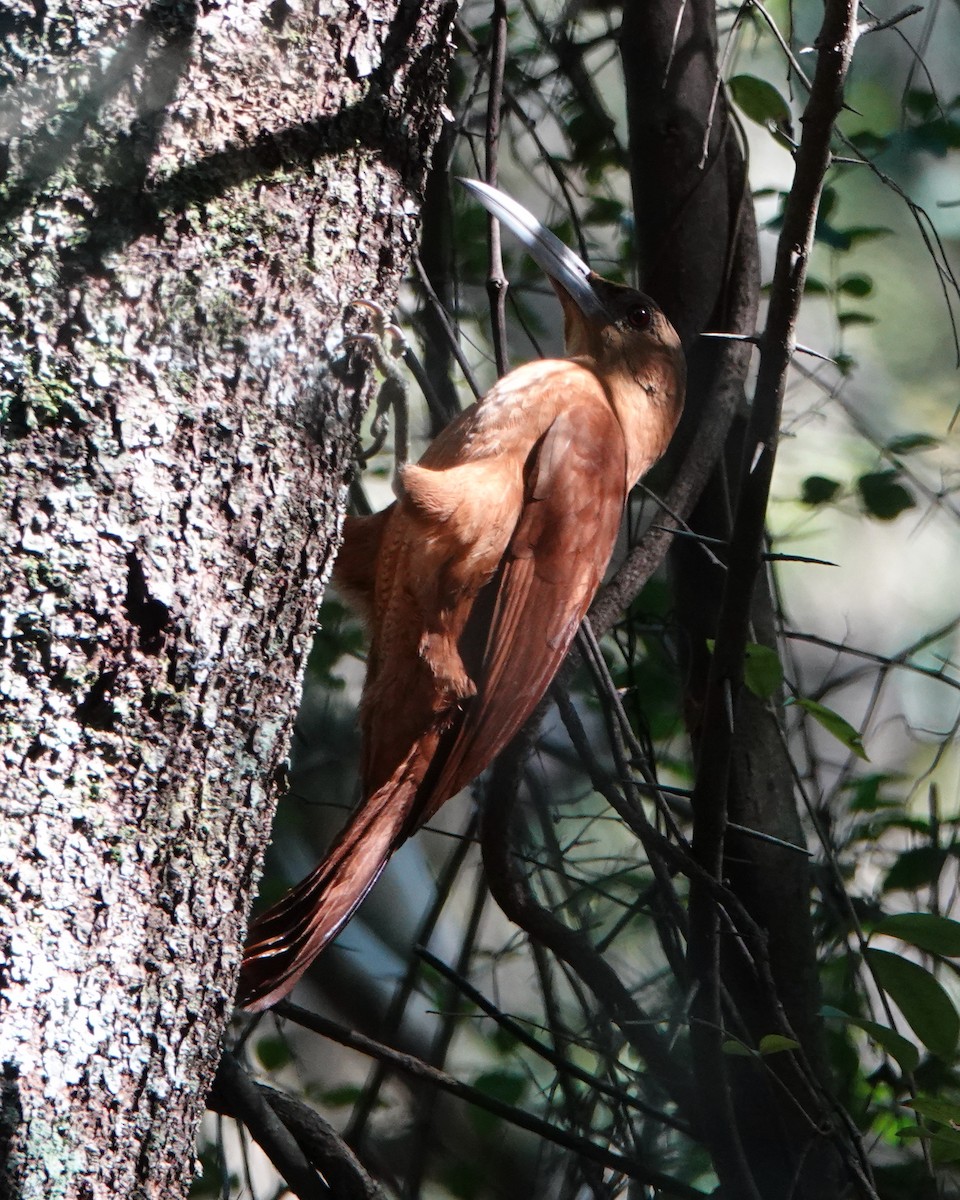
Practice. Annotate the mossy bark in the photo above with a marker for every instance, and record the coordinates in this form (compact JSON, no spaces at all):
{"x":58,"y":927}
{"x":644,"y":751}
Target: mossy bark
{"x":192,"y":195}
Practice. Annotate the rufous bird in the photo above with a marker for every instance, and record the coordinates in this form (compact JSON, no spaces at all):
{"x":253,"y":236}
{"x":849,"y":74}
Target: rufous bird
{"x":475,"y":580}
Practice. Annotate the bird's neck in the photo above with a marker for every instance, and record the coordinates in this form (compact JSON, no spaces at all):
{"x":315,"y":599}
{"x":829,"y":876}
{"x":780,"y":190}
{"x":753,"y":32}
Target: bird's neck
{"x":647,"y":404}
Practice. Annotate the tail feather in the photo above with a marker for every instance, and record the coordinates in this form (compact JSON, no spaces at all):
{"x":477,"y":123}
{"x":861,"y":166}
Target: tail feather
{"x":285,"y":940}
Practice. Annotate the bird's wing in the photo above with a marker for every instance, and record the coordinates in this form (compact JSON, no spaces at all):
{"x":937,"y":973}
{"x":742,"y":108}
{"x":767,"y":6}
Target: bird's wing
{"x":354,"y":570}
{"x":523,"y":621}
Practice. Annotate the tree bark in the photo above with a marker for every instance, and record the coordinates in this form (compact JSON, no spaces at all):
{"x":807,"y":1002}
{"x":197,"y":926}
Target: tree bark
{"x":192,"y":195}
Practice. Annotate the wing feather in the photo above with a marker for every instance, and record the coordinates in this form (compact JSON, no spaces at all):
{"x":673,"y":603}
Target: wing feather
{"x":524,"y":620}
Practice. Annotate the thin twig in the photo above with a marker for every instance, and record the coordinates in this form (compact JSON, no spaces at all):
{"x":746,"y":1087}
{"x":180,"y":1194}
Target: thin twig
{"x":451,"y":1016}
{"x":835,"y":43}
{"x":401,"y":997}
{"x":511,"y":891}
{"x":517,"y":1030}
{"x":901,"y":659}
{"x":444,"y":320}
{"x":497,"y":282}
{"x":416,"y":1069}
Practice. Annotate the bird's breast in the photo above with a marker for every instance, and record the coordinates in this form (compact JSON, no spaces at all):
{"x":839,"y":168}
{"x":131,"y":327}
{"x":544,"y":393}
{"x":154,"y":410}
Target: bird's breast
{"x":515,"y":414}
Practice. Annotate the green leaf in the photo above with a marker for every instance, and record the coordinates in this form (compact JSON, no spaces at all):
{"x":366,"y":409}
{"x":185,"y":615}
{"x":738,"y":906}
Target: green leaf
{"x":882,"y":496}
{"x":814,"y":287}
{"x":846,"y":319}
{"x":775,"y":1043}
{"x":832,"y":1012}
{"x":864,"y":233}
{"x":759,"y":100}
{"x":870,"y":143}
{"x":895,"y":1044}
{"x":604,"y":210}
{"x":908,"y":442}
{"x":855,"y":285}
{"x":836,"y":239}
{"x":737,"y":1049}
{"x":273,"y":1053}
{"x":935,"y":137}
{"x":341,"y":1097}
{"x":817,"y":489}
{"x":944,"y":1142}
{"x":926,"y":931}
{"x":914,"y":869}
{"x":504,"y":1040}
{"x":927,"y":1008}
{"x":770,"y":1043}
{"x":866,"y":792}
{"x":590,"y":131}
{"x":935,"y":1109}
{"x":945,"y":1145}
{"x":762,"y":672}
{"x":209,"y":1181}
{"x":922,"y":104}
{"x":833,"y":723}
{"x":506,"y":1086}
{"x":844,"y":362}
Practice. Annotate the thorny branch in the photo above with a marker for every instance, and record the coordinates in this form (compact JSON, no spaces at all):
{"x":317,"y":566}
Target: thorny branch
{"x":496,"y":280}
{"x":835,"y":45}
{"x":511,"y":889}
{"x":416,"y":1069}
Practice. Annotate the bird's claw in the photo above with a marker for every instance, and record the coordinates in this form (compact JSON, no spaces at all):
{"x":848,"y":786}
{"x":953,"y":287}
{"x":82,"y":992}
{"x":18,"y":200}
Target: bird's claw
{"x":383,"y":329}
{"x":388,"y":347}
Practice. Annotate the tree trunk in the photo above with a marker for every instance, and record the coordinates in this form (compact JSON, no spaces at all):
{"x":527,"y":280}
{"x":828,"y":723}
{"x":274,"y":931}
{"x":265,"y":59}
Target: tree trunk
{"x":192,"y":195}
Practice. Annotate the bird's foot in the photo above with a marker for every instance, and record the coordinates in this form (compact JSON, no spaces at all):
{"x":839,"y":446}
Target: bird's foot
{"x":388,"y":347}
{"x":451,"y":681}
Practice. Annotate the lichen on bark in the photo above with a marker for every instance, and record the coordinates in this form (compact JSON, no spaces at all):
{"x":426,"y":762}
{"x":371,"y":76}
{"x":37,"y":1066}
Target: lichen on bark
{"x":192,"y":196}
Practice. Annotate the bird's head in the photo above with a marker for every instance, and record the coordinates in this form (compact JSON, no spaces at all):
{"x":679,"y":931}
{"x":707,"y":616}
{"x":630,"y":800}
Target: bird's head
{"x":616,"y":327}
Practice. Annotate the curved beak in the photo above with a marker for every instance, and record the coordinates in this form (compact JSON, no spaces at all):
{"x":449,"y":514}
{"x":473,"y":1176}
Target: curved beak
{"x":547,"y":251}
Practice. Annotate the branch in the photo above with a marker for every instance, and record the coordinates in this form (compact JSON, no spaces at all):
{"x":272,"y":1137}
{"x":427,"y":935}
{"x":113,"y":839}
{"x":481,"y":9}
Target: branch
{"x":416,"y":1069}
{"x":524,"y":1036}
{"x":835,"y":44}
{"x":390,"y":1025}
{"x":324,"y":1147}
{"x":726,"y":393}
{"x":510,"y":889}
{"x":234,"y":1094}
{"x":444,"y":322}
{"x":497,"y":283}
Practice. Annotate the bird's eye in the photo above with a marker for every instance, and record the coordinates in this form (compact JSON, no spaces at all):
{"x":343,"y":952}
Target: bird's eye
{"x":639,"y":318}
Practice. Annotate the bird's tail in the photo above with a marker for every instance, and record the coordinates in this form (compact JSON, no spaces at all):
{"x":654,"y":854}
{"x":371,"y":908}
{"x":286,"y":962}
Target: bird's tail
{"x":284,"y":940}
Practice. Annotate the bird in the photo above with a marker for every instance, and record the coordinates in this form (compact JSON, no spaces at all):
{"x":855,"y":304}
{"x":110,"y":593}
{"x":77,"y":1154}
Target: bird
{"x":473,"y":582}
